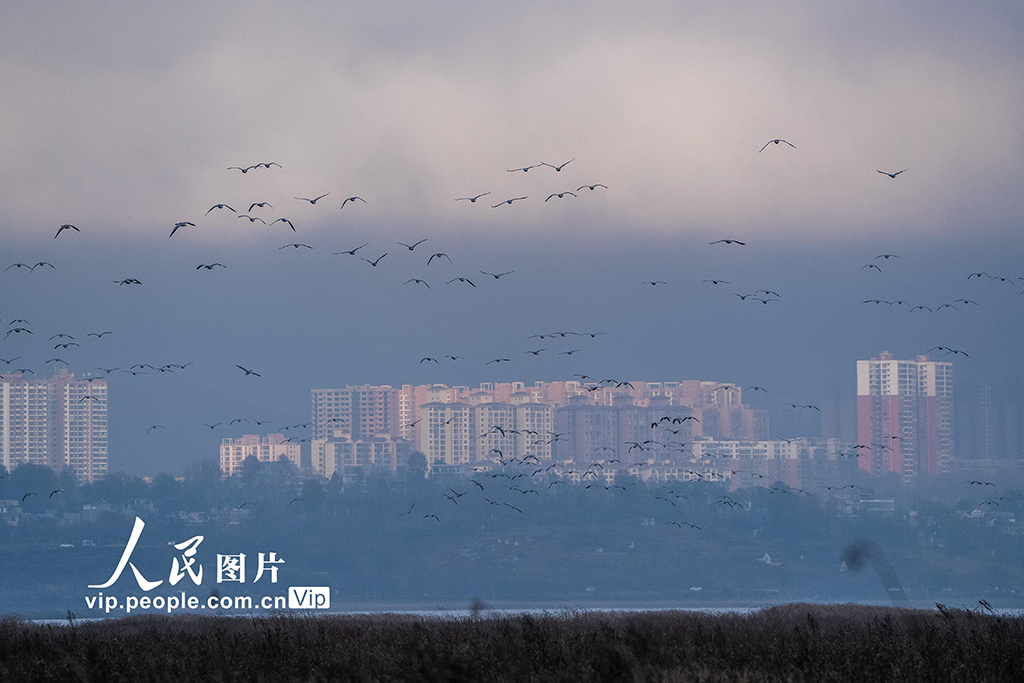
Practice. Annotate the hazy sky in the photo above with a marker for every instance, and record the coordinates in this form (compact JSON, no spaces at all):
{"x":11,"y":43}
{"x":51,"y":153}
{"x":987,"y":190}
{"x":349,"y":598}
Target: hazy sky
{"x":122,"y":119}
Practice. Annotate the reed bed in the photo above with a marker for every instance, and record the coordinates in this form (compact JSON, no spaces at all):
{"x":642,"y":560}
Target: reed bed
{"x":797,"y":642}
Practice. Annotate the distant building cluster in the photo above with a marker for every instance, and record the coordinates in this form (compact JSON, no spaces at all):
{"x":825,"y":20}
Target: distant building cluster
{"x":565,"y":421}
{"x":60,"y":423}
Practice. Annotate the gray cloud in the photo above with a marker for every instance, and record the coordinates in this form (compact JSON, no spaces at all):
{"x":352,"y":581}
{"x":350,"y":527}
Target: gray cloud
{"x":122,"y":117}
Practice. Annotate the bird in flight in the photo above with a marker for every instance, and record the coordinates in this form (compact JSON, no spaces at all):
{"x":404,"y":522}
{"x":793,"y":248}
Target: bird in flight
{"x":243,"y":170}
{"x":252,"y":219}
{"x":886,"y":256}
{"x":524,"y":169}
{"x":19,"y":265}
{"x":472,"y":199}
{"x":871,"y":265}
{"x":438,"y":256}
{"x":558,"y":168}
{"x":210,"y":266}
{"x":352,"y":199}
{"x":284,"y":220}
{"x":418,"y":281}
{"x":314,"y":200}
{"x":248,"y":371}
{"x":44,"y":263}
{"x":717,"y":282}
{"x":498,"y":360}
{"x":507,"y":201}
{"x":155,"y":427}
{"x":412,"y":246}
{"x":776,"y":142}
{"x":424,"y":360}
{"x":179,"y":225}
{"x":350,"y":252}
{"x":496,"y":275}
{"x":374,"y":263}
{"x":560,"y":195}
{"x":260,"y":205}
{"x":128,"y":281}
{"x":742,"y":244}
{"x":219,"y":206}
{"x":295,"y":245}
{"x":591,"y":187}
{"x":893,"y":175}
{"x":66,"y":226}
{"x":461,"y":279}
{"x":654,"y":283}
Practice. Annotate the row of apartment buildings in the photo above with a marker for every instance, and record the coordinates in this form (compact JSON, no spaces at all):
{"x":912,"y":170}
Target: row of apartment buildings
{"x":59,"y":422}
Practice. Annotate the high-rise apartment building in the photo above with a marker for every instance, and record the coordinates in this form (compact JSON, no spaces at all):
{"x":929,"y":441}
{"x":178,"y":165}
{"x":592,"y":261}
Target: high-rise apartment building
{"x":361,"y":411}
{"x":270,"y":448}
{"x":905,"y":415}
{"x":60,"y":422}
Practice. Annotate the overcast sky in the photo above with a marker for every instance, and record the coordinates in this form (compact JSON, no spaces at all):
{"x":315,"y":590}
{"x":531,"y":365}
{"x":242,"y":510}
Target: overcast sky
{"x":123,"y":118}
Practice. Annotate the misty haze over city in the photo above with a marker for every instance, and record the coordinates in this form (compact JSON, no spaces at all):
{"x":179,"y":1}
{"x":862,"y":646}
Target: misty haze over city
{"x":626,"y":195}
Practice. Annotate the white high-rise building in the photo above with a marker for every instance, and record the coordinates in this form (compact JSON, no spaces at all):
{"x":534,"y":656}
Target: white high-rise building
{"x":60,"y":423}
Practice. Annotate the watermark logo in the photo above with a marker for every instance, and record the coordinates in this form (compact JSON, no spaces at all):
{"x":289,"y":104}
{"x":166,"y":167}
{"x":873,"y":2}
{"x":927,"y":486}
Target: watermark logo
{"x":309,"y":597}
{"x":186,"y":563}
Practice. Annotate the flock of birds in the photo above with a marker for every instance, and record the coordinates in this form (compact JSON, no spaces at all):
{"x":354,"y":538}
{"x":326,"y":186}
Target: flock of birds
{"x":590,"y":477}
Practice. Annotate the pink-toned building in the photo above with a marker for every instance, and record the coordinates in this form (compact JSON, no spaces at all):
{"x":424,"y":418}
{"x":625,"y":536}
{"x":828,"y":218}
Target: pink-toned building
{"x":905,"y":416}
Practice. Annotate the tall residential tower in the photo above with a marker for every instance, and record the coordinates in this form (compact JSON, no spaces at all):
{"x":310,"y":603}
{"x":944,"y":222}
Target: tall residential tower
{"x":905,"y":416}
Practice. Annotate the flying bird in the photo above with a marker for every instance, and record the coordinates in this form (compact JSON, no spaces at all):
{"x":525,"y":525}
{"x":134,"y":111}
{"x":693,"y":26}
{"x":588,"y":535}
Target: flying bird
{"x":179,"y":225}
{"x":472,"y":199}
{"x":252,"y":219}
{"x":315,"y":200}
{"x":248,"y":372}
{"x":558,"y":168}
{"x":155,"y":427}
{"x":352,"y":199}
{"x":524,"y":169}
{"x":893,"y":175}
{"x":219,"y":206}
{"x":742,"y":244}
{"x":259,"y":205}
{"x":374,"y":263}
{"x":350,"y":252}
{"x":438,"y":256}
{"x":209,"y":266}
{"x":284,"y":220}
{"x":560,"y":195}
{"x":496,"y":275}
{"x":507,"y":201}
{"x":461,"y":279}
{"x":295,"y":245}
{"x":777,"y":141}
{"x":66,"y":226}
{"x":418,"y":281}
{"x":412,"y":246}
{"x":591,"y":187}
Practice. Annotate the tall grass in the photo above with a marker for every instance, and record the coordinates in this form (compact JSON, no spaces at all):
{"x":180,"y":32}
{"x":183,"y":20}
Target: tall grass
{"x":792,"y":643}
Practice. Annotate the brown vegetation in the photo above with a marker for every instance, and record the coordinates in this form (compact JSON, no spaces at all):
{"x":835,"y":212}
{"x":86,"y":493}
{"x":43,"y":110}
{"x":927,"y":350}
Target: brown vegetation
{"x":796,"y":642}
